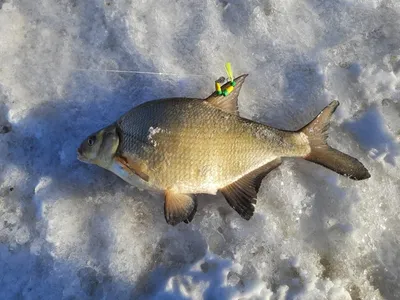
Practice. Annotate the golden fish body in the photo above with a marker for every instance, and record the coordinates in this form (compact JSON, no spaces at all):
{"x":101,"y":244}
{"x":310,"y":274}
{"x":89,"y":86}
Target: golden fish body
{"x":190,"y":146}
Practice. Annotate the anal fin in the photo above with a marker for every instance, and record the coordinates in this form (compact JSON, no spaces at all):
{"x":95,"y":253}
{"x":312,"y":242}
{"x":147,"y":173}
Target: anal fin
{"x":242,"y":194}
{"x":179,"y":208}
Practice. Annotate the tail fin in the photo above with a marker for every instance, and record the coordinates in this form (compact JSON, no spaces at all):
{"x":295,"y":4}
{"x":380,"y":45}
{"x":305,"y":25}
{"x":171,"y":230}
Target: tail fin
{"x":322,"y":154}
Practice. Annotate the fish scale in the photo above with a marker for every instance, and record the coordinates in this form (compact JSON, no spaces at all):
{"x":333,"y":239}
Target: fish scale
{"x":193,"y":135}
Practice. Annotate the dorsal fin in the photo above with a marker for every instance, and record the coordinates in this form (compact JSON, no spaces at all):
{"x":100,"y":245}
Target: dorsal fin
{"x":228,"y":103}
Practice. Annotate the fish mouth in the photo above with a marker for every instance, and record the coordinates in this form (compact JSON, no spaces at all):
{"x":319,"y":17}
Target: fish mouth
{"x":80,"y":156}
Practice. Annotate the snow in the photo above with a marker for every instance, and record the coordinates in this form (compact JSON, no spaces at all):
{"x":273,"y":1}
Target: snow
{"x":69,"y":230}
{"x":152,"y":132}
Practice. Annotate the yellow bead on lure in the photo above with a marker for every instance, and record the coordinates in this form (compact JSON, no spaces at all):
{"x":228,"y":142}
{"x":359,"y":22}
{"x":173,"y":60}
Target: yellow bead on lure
{"x":183,"y":147}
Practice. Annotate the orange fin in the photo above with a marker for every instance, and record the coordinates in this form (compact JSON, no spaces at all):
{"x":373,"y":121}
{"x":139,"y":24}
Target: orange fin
{"x":228,"y":103}
{"x":131,"y":166}
{"x":179,"y":208}
{"x":242,"y":194}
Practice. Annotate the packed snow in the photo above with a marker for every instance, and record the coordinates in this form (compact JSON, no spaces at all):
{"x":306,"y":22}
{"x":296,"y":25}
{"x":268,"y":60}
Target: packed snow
{"x":69,"y":230}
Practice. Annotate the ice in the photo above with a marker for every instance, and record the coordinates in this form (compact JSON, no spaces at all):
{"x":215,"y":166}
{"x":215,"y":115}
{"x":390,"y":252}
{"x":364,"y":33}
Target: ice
{"x":74,"y":231}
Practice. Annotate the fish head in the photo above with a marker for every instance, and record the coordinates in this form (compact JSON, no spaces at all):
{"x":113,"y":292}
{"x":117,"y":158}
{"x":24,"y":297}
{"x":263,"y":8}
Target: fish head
{"x":100,"y":147}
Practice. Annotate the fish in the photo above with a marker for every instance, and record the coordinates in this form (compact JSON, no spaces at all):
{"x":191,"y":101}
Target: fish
{"x":183,"y":147}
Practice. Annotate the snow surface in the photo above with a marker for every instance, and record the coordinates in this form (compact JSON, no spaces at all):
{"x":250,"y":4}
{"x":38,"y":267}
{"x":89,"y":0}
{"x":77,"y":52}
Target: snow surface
{"x":73,"y":231}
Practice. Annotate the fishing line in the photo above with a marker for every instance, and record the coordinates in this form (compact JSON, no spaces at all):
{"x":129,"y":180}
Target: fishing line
{"x":138,"y":72}
{"x":224,"y":90}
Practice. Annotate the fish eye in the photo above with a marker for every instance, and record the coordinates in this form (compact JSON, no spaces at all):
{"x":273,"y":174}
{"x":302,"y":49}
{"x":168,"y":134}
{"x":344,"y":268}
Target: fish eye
{"x":91,"y":140}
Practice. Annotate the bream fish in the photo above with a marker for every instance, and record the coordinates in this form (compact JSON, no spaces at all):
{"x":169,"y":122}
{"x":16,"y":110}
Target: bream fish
{"x":182,"y":147}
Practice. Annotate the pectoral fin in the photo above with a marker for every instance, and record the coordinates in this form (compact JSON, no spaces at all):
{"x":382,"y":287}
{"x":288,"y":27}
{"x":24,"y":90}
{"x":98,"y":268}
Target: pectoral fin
{"x":242,"y":194}
{"x":179,"y":208}
{"x":131,"y":166}
{"x":228,"y":103}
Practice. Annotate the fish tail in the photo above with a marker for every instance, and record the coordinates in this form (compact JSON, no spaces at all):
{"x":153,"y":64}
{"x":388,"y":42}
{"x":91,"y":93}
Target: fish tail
{"x":321,"y":153}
